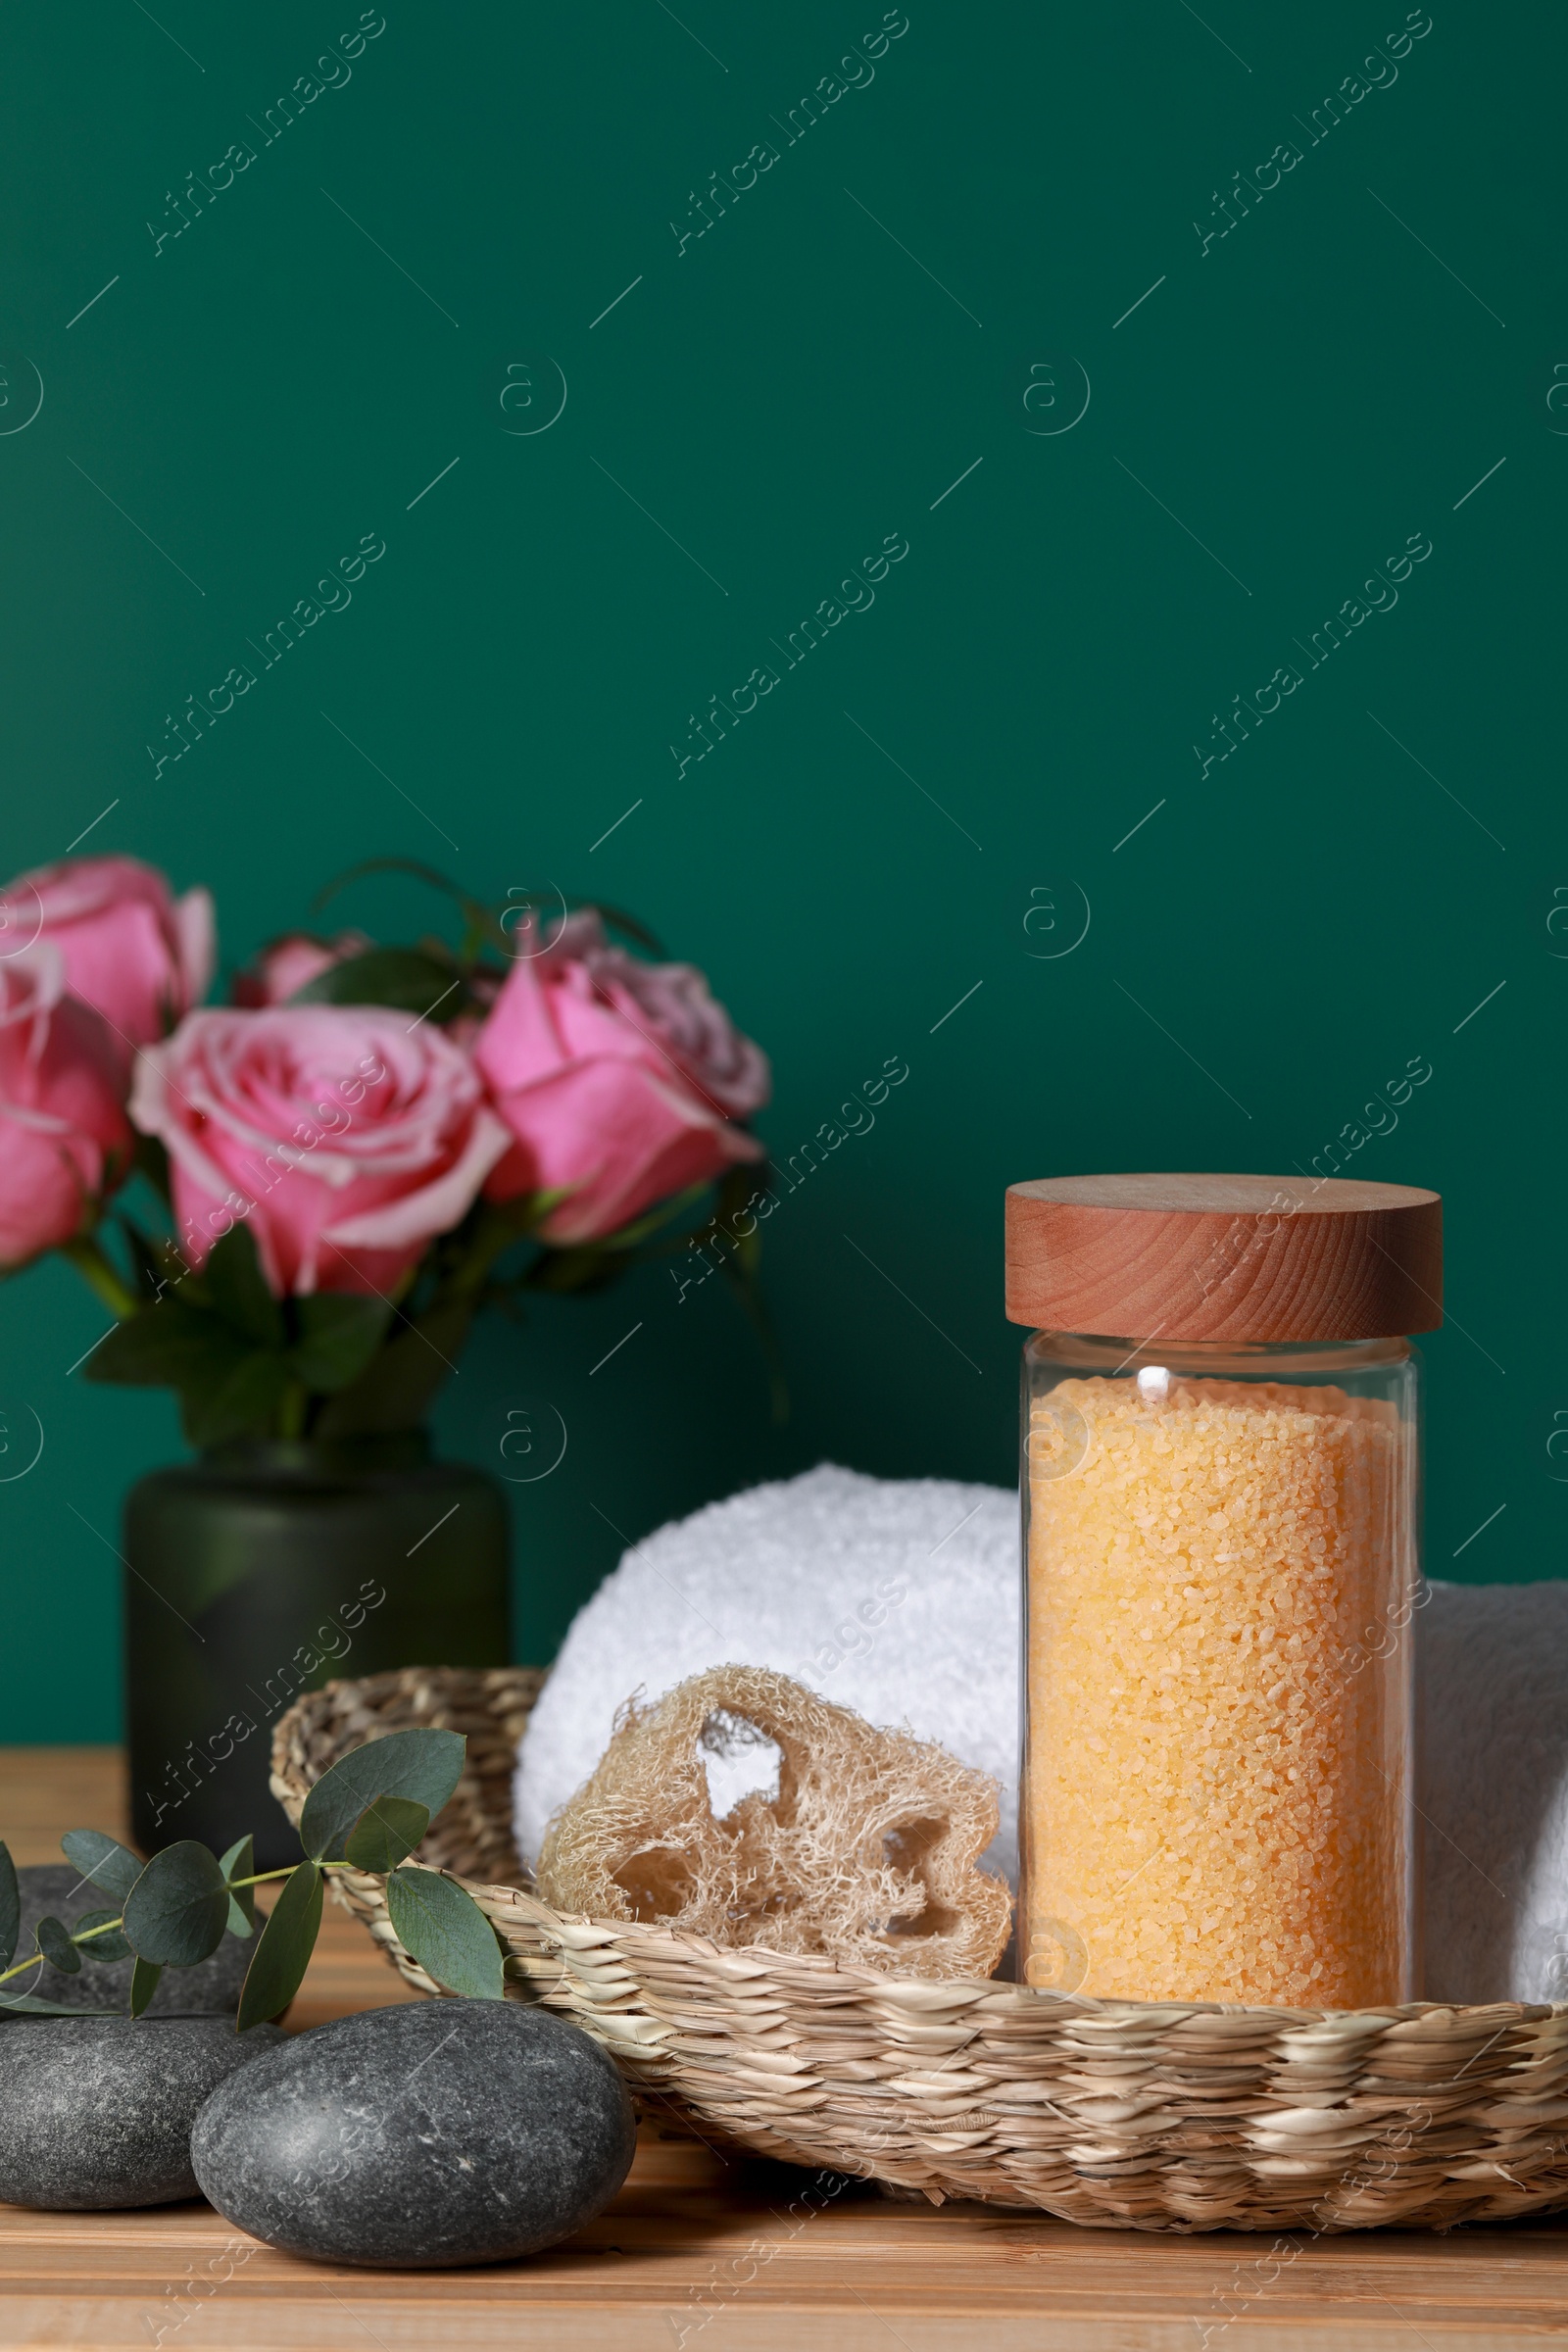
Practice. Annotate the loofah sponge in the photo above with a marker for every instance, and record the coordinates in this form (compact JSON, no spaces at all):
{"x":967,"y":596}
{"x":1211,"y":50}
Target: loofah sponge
{"x":898,"y":1597}
{"x":866,"y":1853}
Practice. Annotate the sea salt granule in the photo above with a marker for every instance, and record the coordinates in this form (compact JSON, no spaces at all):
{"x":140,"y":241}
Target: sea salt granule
{"x":1216,"y":1802}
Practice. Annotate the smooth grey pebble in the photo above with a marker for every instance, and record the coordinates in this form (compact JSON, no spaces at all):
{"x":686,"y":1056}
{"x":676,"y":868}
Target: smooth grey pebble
{"x":209,"y":1989}
{"x":97,"y":2110}
{"x":441,"y":2132}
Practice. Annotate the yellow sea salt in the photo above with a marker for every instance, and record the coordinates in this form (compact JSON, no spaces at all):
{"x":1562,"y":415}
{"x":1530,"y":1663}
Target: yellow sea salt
{"x":1216,"y":1797}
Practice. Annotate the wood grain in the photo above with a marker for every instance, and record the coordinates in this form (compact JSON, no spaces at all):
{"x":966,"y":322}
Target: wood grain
{"x":701,"y":2251}
{"x":1245,"y":1258}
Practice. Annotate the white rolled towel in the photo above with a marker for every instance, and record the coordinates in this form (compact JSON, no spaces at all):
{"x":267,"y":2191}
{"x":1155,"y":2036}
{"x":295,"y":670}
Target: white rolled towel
{"x":900,"y":1598}
{"x":896,"y":1596}
{"x":1492,"y":1666}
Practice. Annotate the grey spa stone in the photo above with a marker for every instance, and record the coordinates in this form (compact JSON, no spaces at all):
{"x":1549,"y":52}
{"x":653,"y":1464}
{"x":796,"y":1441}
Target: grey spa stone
{"x":441,"y":2132}
{"x":97,"y":2110}
{"x":209,"y":1989}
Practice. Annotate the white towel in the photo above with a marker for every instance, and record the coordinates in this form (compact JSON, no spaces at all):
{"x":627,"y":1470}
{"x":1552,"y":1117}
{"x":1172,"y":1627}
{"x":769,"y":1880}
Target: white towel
{"x":900,"y":1598}
{"x":1492,"y":1666}
{"x":896,"y":1596}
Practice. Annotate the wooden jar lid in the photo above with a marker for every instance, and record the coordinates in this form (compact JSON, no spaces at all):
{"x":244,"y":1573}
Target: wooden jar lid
{"x":1224,"y":1257}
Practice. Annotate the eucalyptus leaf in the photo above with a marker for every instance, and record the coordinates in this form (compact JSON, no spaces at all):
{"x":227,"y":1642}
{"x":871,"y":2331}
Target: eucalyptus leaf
{"x":240,"y":1290}
{"x":110,"y":1866}
{"x":283,"y":1950}
{"x":178,"y":1910}
{"x":238,"y":1863}
{"x":444,"y":1930}
{"x":387,"y":1833}
{"x":338,"y":1334}
{"x":424,"y":1765}
{"x":10,"y":1910}
{"x":143,"y":1985}
{"x":53,"y":1942}
{"x":110,"y":1944}
{"x":28,"y":2004}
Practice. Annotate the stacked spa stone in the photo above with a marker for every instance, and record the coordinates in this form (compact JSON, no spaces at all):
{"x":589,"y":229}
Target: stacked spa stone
{"x":446,"y":2132}
{"x":209,"y":1989}
{"x":96,"y":2111}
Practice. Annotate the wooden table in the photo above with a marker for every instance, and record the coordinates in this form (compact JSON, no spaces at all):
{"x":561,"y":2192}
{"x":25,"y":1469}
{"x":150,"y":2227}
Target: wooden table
{"x":698,"y":2249}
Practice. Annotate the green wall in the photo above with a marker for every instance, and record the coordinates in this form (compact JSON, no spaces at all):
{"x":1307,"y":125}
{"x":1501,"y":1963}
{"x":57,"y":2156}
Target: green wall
{"x":957,"y":767}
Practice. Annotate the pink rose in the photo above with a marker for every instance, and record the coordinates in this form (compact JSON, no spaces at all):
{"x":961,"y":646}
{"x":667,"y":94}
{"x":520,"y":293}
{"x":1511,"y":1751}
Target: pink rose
{"x":133,"y":951}
{"x":287,"y":965}
{"x":348,"y":1136}
{"x":63,"y":1135}
{"x":612,"y":1094}
{"x":670,"y":1004}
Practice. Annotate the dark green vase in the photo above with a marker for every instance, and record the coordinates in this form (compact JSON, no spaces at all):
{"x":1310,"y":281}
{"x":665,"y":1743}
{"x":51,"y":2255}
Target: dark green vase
{"x":265,"y":1570}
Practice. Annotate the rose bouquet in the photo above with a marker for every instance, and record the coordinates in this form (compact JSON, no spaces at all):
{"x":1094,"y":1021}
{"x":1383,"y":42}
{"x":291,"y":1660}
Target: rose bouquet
{"x":365,"y":1147}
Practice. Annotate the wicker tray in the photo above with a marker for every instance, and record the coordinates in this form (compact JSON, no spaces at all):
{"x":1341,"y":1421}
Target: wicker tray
{"x":1154,"y":2116}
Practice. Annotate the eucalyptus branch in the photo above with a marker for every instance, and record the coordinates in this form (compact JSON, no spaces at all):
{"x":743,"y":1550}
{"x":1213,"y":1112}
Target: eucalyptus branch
{"x":368,"y":1813}
{"x":105,"y":1927}
{"x":262,"y":1878}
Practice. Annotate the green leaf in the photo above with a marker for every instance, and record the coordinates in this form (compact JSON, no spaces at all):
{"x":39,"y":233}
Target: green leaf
{"x":397,"y":1386}
{"x":240,"y":1290}
{"x":143,"y":1983}
{"x":584,"y":1266}
{"x":630,"y":1237}
{"x":622,"y":921}
{"x":150,"y":1160}
{"x":28,"y":2004}
{"x":403,"y":978}
{"x":110,"y":1945}
{"x":283,"y":1950}
{"x":444,"y":1929}
{"x":739,"y":1273}
{"x":387,"y":1833}
{"x":480,"y":924}
{"x":151,"y":1270}
{"x":53,"y":1942}
{"x":178,"y":1910}
{"x":175,"y":1345}
{"x":338,"y":1334}
{"x":524,"y":1210}
{"x":109,"y":1865}
{"x":240,"y":1401}
{"x":389,"y":865}
{"x":238,"y":1863}
{"x":547,"y":902}
{"x":424,"y":1765}
{"x":10,"y":1910}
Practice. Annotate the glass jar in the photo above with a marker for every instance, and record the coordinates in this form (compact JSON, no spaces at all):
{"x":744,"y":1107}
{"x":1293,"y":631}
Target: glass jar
{"x":1222,"y":1564}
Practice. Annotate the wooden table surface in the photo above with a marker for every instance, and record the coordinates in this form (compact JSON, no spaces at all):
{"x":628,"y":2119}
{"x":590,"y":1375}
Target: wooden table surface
{"x":699,"y":2250}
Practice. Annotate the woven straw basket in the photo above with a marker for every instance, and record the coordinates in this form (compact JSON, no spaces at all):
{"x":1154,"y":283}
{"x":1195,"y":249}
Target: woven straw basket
{"x":1118,"y":2114}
